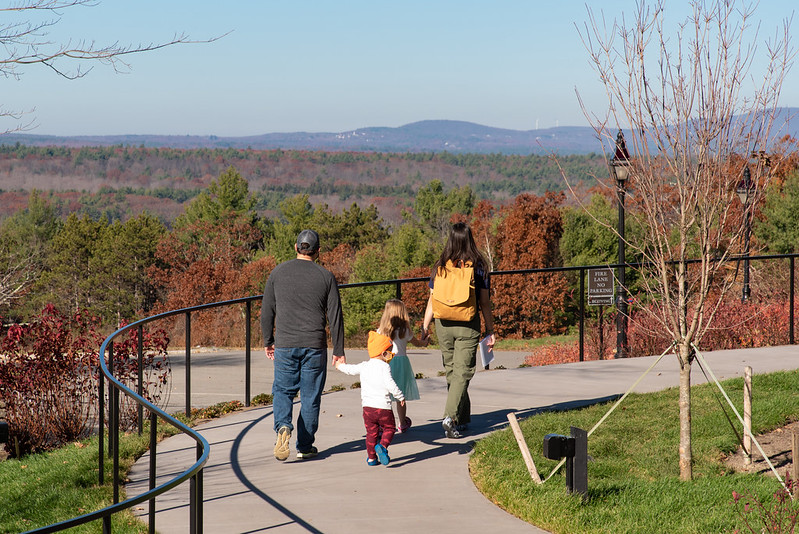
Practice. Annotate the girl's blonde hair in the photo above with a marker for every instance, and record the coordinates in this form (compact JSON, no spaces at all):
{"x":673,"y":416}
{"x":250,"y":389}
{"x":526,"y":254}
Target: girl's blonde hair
{"x":395,"y":322}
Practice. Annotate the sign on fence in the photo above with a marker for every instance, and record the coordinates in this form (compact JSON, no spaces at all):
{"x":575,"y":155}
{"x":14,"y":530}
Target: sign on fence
{"x":600,"y":287}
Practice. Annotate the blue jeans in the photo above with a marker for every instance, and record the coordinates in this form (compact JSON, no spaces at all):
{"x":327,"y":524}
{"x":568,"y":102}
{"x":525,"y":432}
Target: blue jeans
{"x":303,"y":371}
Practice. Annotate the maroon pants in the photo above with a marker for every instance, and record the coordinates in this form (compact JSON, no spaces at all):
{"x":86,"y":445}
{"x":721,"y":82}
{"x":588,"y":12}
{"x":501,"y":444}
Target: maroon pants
{"x":378,"y":422}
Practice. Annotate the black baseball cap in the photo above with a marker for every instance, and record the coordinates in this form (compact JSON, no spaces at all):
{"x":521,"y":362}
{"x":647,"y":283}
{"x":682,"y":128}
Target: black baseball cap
{"x":308,"y":241}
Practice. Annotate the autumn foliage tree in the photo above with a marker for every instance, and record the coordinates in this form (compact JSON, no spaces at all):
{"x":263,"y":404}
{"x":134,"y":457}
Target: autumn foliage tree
{"x":209,"y":262}
{"x":529,"y":305}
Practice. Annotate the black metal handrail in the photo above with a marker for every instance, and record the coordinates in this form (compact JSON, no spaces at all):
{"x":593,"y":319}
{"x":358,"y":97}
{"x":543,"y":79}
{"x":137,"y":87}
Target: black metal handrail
{"x":194,"y":473}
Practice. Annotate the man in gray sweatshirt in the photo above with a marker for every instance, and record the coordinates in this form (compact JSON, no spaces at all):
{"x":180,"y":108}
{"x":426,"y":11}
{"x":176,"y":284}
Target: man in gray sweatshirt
{"x":300,"y":299}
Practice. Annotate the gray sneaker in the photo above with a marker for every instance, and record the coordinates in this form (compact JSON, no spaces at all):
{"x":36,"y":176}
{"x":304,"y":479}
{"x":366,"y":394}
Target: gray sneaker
{"x":282,"y":443}
{"x":450,"y":429}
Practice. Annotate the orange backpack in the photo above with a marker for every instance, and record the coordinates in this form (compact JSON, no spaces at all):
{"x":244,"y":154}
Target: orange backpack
{"x":454,"y":296}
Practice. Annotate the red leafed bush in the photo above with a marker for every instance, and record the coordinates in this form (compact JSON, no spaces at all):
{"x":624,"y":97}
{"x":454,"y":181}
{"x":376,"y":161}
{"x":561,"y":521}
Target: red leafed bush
{"x":49,"y":372}
{"x":748,"y":324}
{"x":735,"y":325}
{"x":155,"y":370}
{"x":554,"y":353}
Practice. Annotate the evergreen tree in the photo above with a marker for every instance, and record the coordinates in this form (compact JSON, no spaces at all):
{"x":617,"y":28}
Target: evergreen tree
{"x":778,"y":228}
{"x":67,"y":282}
{"x":25,"y":240}
{"x":119,"y":266}
{"x":227,"y":196}
{"x":434,"y":208}
{"x":586,"y":238}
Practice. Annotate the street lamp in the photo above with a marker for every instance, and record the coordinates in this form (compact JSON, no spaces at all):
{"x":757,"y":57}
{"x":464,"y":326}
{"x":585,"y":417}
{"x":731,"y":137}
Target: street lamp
{"x":745,"y":190}
{"x":620,"y":169}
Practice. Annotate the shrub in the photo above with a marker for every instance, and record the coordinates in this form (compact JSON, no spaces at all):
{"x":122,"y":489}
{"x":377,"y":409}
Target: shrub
{"x":217,"y":410}
{"x":48,"y":378}
{"x":779,"y":515}
{"x":262,"y":399}
{"x":554,"y":353}
{"x":735,"y":325}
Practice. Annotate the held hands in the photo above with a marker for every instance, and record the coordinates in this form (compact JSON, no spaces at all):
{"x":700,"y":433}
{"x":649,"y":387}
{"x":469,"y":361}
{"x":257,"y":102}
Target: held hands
{"x":425,"y":336}
{"x":338,"y":359}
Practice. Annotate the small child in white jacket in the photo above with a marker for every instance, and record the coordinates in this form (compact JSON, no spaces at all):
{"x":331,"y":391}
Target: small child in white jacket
{"x":377,"y":387}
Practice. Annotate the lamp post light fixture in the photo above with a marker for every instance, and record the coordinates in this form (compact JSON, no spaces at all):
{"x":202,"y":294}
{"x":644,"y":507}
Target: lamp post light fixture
{"x":620,"y":169}
{"x":745,"y":190}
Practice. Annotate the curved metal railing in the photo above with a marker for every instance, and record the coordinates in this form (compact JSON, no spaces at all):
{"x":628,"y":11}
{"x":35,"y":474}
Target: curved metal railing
{"x":195,"y":471}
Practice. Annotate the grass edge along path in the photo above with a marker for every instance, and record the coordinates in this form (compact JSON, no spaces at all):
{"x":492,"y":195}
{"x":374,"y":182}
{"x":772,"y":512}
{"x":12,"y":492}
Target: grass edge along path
{"x":45,"y":488}
{"x":42,"y":489}
{"x":633,"y":472}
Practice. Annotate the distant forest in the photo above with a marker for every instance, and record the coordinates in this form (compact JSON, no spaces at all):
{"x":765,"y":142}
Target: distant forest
{"x":121,"y":181}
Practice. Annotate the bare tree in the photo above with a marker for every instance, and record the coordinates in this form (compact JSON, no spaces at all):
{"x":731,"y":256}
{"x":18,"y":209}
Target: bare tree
{"x":24,"y":40}
{"x":696,"y":119}
{"x":16,"y":274}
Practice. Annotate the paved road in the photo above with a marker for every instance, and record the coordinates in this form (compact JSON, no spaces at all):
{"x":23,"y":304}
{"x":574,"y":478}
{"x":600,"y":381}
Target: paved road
{"x":426,"y":488}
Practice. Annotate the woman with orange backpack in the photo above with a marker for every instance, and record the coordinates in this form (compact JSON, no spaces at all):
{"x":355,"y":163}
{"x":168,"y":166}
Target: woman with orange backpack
{"x":459,"y":294}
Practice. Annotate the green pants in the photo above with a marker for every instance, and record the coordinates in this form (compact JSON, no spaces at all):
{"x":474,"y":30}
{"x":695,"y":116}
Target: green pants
{"x":458,"y":342}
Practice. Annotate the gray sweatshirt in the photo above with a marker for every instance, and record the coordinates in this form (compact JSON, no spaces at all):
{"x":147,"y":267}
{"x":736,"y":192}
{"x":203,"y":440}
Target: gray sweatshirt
{"x":300,"y":298}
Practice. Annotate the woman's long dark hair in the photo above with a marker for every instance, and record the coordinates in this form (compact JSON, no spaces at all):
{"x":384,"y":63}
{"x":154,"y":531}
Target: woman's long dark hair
{"x":461,"y":247}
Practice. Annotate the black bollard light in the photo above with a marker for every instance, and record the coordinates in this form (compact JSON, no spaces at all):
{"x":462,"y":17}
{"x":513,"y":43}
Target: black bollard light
{"x":575,"y":449}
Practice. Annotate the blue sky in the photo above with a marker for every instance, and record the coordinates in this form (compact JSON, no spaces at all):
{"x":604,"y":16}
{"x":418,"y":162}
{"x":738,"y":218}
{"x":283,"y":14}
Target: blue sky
{"x":324,"y":66}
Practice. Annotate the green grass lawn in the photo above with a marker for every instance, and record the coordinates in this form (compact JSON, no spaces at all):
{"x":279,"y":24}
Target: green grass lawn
{"x":530,"y":344}
{"x":633,"y":472}
{"x":41,"y":489}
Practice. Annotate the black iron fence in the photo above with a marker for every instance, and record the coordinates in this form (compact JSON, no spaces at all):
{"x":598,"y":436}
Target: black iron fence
{"x":194,"y":473}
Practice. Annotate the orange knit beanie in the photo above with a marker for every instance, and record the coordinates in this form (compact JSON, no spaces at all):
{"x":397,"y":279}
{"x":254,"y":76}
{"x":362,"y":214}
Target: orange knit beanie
{"x":378,"y":344}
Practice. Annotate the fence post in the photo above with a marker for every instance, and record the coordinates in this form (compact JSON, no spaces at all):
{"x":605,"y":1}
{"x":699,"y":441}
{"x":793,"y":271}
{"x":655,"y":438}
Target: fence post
{"x":196,"y":499}
{"x":111,"y":414}
{"x":790,"y":305}
{"x":247,"y":353}
{"x":153,"y":445}
{"x":101,"y":419}
{"x":113,"y":430}
{"x":188,"y":364}
{"x":747,"y":444}
{"x":140,"y":387}
{"x":582,"y":315}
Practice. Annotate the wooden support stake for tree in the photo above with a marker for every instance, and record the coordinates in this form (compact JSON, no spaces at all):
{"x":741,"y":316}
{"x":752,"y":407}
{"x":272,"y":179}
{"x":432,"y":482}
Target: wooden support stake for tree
{"x":747,"y":444}
{"x":795,"y":463}
{"x":528,"y":460}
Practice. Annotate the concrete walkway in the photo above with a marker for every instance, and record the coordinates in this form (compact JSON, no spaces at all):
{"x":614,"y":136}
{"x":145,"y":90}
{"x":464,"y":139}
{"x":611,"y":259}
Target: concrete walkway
{"x":425,"y":488}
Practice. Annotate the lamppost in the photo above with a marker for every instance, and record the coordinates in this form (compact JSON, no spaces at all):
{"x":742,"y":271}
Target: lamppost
{"x":620,"y":169}
{"x":745,"y":189}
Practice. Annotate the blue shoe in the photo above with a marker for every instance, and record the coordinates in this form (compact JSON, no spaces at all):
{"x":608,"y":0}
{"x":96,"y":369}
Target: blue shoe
{"x":371,"y":461}
{"x":382,"y":454}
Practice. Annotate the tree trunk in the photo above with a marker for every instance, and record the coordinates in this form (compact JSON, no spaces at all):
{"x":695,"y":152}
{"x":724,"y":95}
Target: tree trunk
{"x":686,"y":456}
